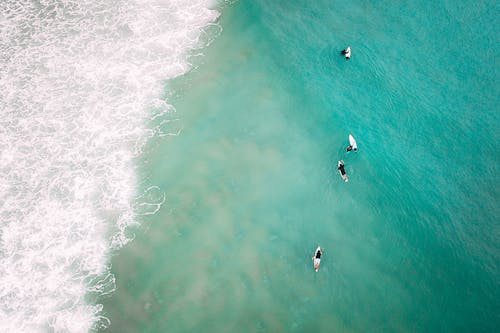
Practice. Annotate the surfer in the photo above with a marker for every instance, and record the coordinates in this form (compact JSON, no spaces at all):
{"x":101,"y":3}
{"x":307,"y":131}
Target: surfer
{"x":347,"y":53}
{"x":342,"y":171}
{"x":317,"y":258}
{"x":352,"y":144}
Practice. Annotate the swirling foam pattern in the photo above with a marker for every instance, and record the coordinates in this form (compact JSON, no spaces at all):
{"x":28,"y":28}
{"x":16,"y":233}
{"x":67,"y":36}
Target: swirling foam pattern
{"x":78,"y":81}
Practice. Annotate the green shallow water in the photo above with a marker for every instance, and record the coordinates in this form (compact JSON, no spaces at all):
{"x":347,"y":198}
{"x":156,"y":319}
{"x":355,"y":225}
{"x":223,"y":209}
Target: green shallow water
{"x":252,"y":188}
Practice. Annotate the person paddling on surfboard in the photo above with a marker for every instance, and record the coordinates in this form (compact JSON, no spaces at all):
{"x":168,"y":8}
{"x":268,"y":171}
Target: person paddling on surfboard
{"x":342,"y":171}
{"x":317,"y":258}
{"x":347,"y":53}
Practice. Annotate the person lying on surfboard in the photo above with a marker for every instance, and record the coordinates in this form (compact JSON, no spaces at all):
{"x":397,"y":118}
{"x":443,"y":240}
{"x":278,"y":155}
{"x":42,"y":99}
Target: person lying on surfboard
{"x":317,"y":258}
{"x":342,"y":171}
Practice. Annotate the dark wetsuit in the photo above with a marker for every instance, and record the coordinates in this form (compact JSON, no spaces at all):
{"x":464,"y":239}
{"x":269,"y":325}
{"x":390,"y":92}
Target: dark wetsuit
{"x":342,"y":170}
{"x":318,"y":255}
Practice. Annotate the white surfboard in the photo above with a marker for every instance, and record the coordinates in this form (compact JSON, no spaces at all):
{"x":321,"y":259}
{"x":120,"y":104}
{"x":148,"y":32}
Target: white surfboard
{"x":316,"y":262}
{"x":353,"y":143}
{"x":348,"y":52}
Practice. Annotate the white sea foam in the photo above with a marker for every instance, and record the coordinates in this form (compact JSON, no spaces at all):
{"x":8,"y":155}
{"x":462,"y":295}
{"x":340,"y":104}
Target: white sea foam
{"x":79,"y":80}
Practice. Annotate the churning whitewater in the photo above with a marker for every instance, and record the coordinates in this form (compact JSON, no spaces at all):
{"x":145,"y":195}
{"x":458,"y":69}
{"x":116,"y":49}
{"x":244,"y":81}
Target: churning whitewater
{"x":79,"y":82}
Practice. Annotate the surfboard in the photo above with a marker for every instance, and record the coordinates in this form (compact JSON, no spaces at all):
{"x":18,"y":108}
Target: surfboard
{"x":316,"y":268}
{"x":348,"y":53}
{"x":353,"y":143}
{"x":343,"y":175}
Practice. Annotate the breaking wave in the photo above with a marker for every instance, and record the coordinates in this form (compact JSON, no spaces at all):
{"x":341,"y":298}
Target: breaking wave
{"x":79,"y":82}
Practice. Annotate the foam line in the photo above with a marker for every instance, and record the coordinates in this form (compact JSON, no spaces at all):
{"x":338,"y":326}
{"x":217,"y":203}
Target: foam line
{"x":79,"y":80}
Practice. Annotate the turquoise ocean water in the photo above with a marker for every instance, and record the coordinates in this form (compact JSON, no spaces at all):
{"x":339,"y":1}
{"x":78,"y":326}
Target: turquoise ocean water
{"x":411,"y":241}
